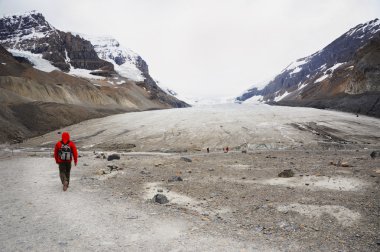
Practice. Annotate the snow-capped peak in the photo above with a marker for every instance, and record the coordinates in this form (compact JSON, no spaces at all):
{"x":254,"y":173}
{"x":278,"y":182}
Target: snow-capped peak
{"x":26,"y":26}
{"x":371,"y":27}
{"x":126,"y":61}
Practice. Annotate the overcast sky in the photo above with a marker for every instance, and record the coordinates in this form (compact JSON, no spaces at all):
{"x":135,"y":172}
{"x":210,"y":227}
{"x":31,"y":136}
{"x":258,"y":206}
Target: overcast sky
{"x":209,"y":47}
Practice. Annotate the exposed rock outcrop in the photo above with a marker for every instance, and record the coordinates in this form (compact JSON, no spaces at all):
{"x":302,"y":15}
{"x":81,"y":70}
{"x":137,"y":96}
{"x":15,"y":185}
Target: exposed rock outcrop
{"x":31,"y":32}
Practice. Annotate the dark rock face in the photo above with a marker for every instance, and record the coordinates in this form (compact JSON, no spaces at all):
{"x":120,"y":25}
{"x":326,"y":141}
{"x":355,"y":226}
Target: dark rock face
{"x":31,"y":32}
{"x":155,"y":91}
{"x":347,"y":67}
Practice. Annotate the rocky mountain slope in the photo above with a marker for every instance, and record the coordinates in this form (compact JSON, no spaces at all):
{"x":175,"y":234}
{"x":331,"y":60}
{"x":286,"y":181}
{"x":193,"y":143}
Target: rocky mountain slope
{"x":32,"y":36}
{"x":50,"y":79}
{"x":345,"y":75}
{"x":31,"y":32}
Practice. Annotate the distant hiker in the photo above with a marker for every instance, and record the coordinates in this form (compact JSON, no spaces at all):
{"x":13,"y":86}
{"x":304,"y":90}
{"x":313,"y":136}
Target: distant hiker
{"x":227,"y":149}
{"x":64,"y":152}
{"x":208,"y":150}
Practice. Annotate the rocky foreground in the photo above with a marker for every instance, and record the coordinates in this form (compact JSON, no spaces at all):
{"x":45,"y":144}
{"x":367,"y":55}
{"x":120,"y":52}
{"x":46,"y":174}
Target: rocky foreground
{"x":295,"y":179}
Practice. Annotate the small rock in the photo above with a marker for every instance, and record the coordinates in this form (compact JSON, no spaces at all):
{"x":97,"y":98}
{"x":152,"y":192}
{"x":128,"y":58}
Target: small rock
{"x":211,"y":169}
{"x":307,"y":184}
{"x":244,"y":151}
{"x":186,"y":159}
{"x":345,"y":164}
{"x":189,"y":171}
{"x":160,"y":198}
{"x":286,"y":173}
{"x":160,"y":190}
{"x":85,"y":164}
{"x":175,"y":178}
{"x":113,"y":156}
{"x":101,"y":172}
{"x":378,"y":242}
{"x":243,"y":178}
{"x":158,"y":164}
{"x":113,"y":167}
{"x":375,"y":154}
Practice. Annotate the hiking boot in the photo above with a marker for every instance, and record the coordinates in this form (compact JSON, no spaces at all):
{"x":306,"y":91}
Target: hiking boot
{"x":65,"y":185}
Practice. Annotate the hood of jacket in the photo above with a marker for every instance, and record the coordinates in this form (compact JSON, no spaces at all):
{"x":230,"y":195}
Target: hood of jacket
{"x":65,"y":137}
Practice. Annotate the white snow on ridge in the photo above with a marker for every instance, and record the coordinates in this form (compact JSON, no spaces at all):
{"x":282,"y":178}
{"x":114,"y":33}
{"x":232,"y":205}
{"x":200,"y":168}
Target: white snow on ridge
{"x":36,"y":59}
{"x":322,"y":78}
{"x":301,"y":86}
{"x":84,"y":73}
{"x":279,"y":98}
{"x":45,"y":65}
{"x":296,"y":70}
{"x":366,"y":26}
{"x":254,"y":99}
{"x":336,"y":66}
{"x":109,"y":49}
{"x":259,"y":85}
{"x":295,"y":66}
{"x":326,"y":75}
{"x":166,"y":89}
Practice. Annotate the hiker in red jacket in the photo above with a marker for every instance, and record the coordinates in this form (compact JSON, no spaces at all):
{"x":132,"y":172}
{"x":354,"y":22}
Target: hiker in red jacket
{"x":64,"y":152}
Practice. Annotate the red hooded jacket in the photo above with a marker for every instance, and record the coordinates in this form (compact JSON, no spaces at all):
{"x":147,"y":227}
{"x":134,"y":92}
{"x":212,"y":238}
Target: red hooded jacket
{"x":65,"y":140}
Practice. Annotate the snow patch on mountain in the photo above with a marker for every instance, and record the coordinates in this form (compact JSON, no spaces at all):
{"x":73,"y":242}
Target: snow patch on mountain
{"x":125,"y":61}
{"x":255,"y":99}
{"x":328,"y":72}
{"x":280,"y":97}
{"x":361,"y":29}
{"x":36,"y":59}
{"x":84,"y":73}
{"x":166,"y":89}
{"x":296,"y":66}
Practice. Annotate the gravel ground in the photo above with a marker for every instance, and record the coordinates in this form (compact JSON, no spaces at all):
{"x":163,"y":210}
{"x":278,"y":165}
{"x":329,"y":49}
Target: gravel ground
{"x":231,"y":201}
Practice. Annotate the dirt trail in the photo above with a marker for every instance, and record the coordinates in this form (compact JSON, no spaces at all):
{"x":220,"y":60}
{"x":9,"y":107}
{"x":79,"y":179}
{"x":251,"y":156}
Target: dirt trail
{"x":36,"y":215}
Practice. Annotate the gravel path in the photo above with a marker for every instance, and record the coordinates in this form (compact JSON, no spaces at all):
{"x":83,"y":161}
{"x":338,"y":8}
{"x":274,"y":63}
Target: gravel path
{"x":36,"y":215}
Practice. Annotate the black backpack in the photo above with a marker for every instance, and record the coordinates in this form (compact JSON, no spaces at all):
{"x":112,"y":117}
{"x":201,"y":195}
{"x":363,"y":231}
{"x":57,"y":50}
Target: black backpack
{"x":65,"y":152}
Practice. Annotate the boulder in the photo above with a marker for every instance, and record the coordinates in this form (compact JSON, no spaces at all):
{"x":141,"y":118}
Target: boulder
{"x":375,"y":154}
{"x":175,"y":178}
{"x":160,"y":198}
{"x":186,"y":159}
{"x":113,"y":156}
{"x":286,"y":173}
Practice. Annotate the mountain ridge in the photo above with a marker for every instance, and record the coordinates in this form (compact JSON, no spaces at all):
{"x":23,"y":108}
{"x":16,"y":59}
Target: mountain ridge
{"x":75,"y":53}
{"x":309,"y":78}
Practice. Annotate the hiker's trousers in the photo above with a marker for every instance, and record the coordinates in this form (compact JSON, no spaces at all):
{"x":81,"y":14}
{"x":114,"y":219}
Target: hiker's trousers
{"x":64,"y":171}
